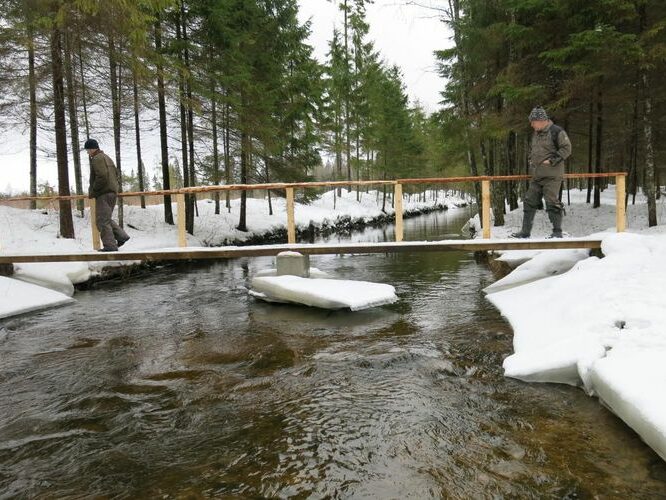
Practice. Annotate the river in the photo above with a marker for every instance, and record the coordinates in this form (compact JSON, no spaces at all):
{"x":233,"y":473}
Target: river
{"x":177,"y":384}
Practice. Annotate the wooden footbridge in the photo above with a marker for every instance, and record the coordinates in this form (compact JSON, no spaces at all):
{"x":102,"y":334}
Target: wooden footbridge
{"x":185,"y":253}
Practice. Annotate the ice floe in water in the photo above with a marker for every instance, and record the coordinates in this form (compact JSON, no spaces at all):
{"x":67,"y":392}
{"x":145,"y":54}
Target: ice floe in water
{"x":323,"y":293}
{"x":26,"y":297}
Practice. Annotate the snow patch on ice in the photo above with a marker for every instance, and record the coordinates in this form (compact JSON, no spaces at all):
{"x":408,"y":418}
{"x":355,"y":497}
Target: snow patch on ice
{"x":17,"y":297}
{"x":325,"y":294}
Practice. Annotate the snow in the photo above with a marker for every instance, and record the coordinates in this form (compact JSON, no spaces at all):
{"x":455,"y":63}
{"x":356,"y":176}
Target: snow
{"x":541,"y":265}
{"x":595,"y":323}
{"x":60,"y":278}
{"x":36,"y":231}
{"x":313,"y":273}
{"x":17,"y":297}
{"x":323,"y":293}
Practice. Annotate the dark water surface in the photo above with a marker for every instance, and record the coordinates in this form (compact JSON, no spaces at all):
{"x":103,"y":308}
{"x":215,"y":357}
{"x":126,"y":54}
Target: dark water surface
{"x":179,"y":385}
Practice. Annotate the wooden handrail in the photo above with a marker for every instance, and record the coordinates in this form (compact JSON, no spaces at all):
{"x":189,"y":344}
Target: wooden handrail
{"x":398,"y":183}
{"x":305,"y":185}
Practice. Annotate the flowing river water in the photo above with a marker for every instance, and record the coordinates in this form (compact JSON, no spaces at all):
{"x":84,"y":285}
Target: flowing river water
{"x":179,"y":385}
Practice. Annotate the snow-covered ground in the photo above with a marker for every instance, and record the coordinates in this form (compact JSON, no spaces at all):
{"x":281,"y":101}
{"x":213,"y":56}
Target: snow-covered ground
{"x":595,"y":323}
{"x":36,"y":231}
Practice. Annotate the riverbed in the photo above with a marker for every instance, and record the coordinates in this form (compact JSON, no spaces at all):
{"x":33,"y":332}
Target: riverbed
{"x":178,"y":384}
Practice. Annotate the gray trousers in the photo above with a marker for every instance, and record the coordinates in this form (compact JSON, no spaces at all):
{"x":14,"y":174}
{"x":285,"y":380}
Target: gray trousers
{"x":110,"y":232}
{"x":548,"y":188}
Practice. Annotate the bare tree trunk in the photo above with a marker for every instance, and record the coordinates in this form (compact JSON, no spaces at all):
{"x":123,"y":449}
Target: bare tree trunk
{"x":358,"y":166}
{"x":512,"y":162}
{"x":73,"y":121}
{"x":384,"y":189}
{"x":216,"y":154}
{"x":268,"y":191}
{"x":66,"y":222}
{"x":597,"y":159}
{"x":227,"y":153}
{"x":498,"y":187}
{"x":633,"y":150}
{"x":338,"y":150}
{"x":649,"y":184}
{"x":84,"y":101}
{"x":189,"y":217}
{"x":137,"y":130}
{"x":192,"y":201}
{"x":32,"y":82}
{"x":590,"y":149}
{"x":166,"y":185}
{"x":245,"y":153}
{"x":115,"y":72}
{"x":347,"y":96}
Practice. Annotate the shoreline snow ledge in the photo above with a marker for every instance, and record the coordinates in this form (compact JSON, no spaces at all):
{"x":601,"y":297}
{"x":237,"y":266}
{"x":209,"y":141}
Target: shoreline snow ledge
{"x":323,"y":293}
{"x":26,"y":297}
{"x":602,"y":326}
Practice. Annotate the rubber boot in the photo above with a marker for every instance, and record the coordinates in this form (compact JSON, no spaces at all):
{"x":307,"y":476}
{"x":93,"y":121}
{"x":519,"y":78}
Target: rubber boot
{"x":528,"y":220}
{"x":555,"y":216}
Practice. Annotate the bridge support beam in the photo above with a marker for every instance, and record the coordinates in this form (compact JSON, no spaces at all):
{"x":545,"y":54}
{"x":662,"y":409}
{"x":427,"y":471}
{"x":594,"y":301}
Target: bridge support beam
{"x":291,"y":224}
{"x":96,"y":244}
{"x":485,"y":208}
{"x":397,"y":203}
{"x":180,"y":202}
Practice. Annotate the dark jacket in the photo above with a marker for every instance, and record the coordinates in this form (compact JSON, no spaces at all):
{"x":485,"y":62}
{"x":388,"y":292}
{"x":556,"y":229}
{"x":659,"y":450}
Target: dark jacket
{"x":103,"y":175}
{"x":545,"y":147}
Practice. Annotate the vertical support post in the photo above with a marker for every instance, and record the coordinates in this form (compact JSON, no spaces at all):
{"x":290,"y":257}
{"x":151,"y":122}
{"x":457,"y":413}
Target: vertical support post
{"x":621,"y":209}
{"x":485,"y":204}
{"x":180,"y":203}
{"x":291,"y":224}
{"x":93,"y":225}
{"x":397,"y":202}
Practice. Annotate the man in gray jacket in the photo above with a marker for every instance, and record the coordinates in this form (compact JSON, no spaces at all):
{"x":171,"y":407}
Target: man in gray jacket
{"x":104,"y":189}
{"x":550,"y":148}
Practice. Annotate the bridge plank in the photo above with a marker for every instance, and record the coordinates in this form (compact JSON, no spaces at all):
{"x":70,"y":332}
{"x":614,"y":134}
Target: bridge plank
{"x":309,"y":249}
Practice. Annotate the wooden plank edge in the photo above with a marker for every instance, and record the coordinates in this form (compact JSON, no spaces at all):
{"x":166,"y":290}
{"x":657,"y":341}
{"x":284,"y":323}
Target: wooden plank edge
{"x":272,"y":250}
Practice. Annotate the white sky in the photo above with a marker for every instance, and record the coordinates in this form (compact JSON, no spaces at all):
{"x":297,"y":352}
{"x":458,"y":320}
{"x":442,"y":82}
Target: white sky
{"x":405,"y":35}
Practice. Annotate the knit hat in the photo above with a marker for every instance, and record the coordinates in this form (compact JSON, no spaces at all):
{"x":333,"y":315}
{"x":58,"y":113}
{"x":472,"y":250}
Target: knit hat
{"x":538,"y":114}
{"x":91,"y":144}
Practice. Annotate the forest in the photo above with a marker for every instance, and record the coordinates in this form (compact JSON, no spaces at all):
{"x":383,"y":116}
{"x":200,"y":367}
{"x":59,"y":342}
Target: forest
{"x":238,"y":97}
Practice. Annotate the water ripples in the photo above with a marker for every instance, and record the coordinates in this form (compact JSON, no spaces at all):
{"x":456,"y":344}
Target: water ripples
{"x":180,"y":386}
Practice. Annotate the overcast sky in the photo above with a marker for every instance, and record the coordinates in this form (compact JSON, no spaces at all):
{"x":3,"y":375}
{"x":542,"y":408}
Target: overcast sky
{"x":405,"y":35}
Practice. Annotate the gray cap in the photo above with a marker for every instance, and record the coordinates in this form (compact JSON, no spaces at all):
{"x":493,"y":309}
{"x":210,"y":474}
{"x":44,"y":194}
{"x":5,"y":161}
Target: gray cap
{"x":538,"y":114}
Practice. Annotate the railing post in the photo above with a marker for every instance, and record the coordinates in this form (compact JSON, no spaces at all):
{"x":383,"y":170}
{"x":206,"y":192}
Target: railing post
{"x":291,"y":225}
{"x":621,"y":209}
{"x":485,"y":208}
{"x":93,"y":225}
{"x":397,"y":203}
{"x":180,"y":203}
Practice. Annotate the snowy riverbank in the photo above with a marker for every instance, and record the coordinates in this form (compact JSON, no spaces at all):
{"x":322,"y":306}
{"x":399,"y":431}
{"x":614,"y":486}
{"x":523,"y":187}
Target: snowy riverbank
{"x":35,"y":231}
{"x":595,"y":323}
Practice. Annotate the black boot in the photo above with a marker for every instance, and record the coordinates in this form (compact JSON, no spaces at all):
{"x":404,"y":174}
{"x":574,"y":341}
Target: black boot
{"x":528,"y":220}
{"x":555,"y":216}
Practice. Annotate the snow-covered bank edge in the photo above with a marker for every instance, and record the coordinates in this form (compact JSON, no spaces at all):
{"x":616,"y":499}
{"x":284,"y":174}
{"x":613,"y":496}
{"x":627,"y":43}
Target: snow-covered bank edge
{"x":17,"y":297}
{"x":595,"y":323}
{"x":32,"y":231}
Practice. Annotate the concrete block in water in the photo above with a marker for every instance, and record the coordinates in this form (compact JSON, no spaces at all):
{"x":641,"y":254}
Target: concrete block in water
{"x":293,"y":264}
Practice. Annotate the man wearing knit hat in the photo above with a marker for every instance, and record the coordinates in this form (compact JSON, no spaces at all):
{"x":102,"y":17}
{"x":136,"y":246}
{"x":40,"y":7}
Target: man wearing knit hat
{"x":549,"y":149}
{"x":104,"y":189}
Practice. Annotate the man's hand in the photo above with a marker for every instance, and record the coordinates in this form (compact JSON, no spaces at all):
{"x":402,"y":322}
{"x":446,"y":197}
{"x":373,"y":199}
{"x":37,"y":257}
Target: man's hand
{"x":546,"y":162}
